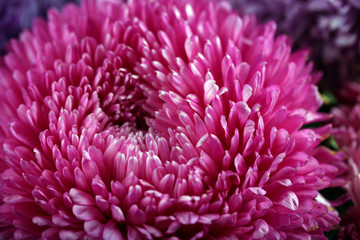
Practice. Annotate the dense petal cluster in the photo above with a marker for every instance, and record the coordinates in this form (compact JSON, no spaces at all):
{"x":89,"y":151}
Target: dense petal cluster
{"x":347,"y":134}
{"x":15,"y":15}
{"x":159,"y":119}
{"x":331,"y":28}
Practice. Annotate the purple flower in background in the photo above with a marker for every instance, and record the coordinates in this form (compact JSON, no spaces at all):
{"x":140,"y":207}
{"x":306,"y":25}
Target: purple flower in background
{"x":347,"y":134}
{"x":331,"y":28}
{"x":163,"y":119}
{"x":16,"y":15}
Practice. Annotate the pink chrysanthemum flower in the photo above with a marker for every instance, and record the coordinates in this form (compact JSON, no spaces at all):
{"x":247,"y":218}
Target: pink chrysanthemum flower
{"x":347,"y":134}
{"x":163,"y":119}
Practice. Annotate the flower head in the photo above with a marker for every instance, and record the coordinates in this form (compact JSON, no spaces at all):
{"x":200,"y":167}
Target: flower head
{"x":157,"y":119}
{"x":331,"y":28}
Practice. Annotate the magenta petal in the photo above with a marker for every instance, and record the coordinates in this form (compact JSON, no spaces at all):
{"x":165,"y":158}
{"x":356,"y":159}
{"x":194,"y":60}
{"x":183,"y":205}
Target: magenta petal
{"x":117,"y":214}
{"x":81,"y":198}
{"x":290,"y":201}
{"x":41,"y":221}
{"x":187,"y":218}
{"x":111,"y":232}
{"x":70,"y":234}
{"x":22,"y":133}
{"x":93,"y":228}
{"x":153,"y":231}
{"x":136,"y":215}
{"x":166,"y":184}
{"x":87,"y":212}
{"x":261,"y":229}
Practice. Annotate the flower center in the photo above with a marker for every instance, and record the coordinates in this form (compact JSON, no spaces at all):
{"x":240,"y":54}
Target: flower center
{"x":121,"y":95}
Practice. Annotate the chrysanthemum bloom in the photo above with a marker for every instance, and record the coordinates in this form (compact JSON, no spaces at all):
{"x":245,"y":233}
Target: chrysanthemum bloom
{"x":15,"y":15}
{"x":347,"y":134}
{"x":331,"y":28}
{"x":160,"y":119}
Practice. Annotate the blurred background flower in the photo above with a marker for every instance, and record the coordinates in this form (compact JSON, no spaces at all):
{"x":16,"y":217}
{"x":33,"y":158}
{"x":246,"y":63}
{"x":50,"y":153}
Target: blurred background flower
{"x":346,"y":131}
{"x":330,"y":28}
{"x":16,"y":15}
